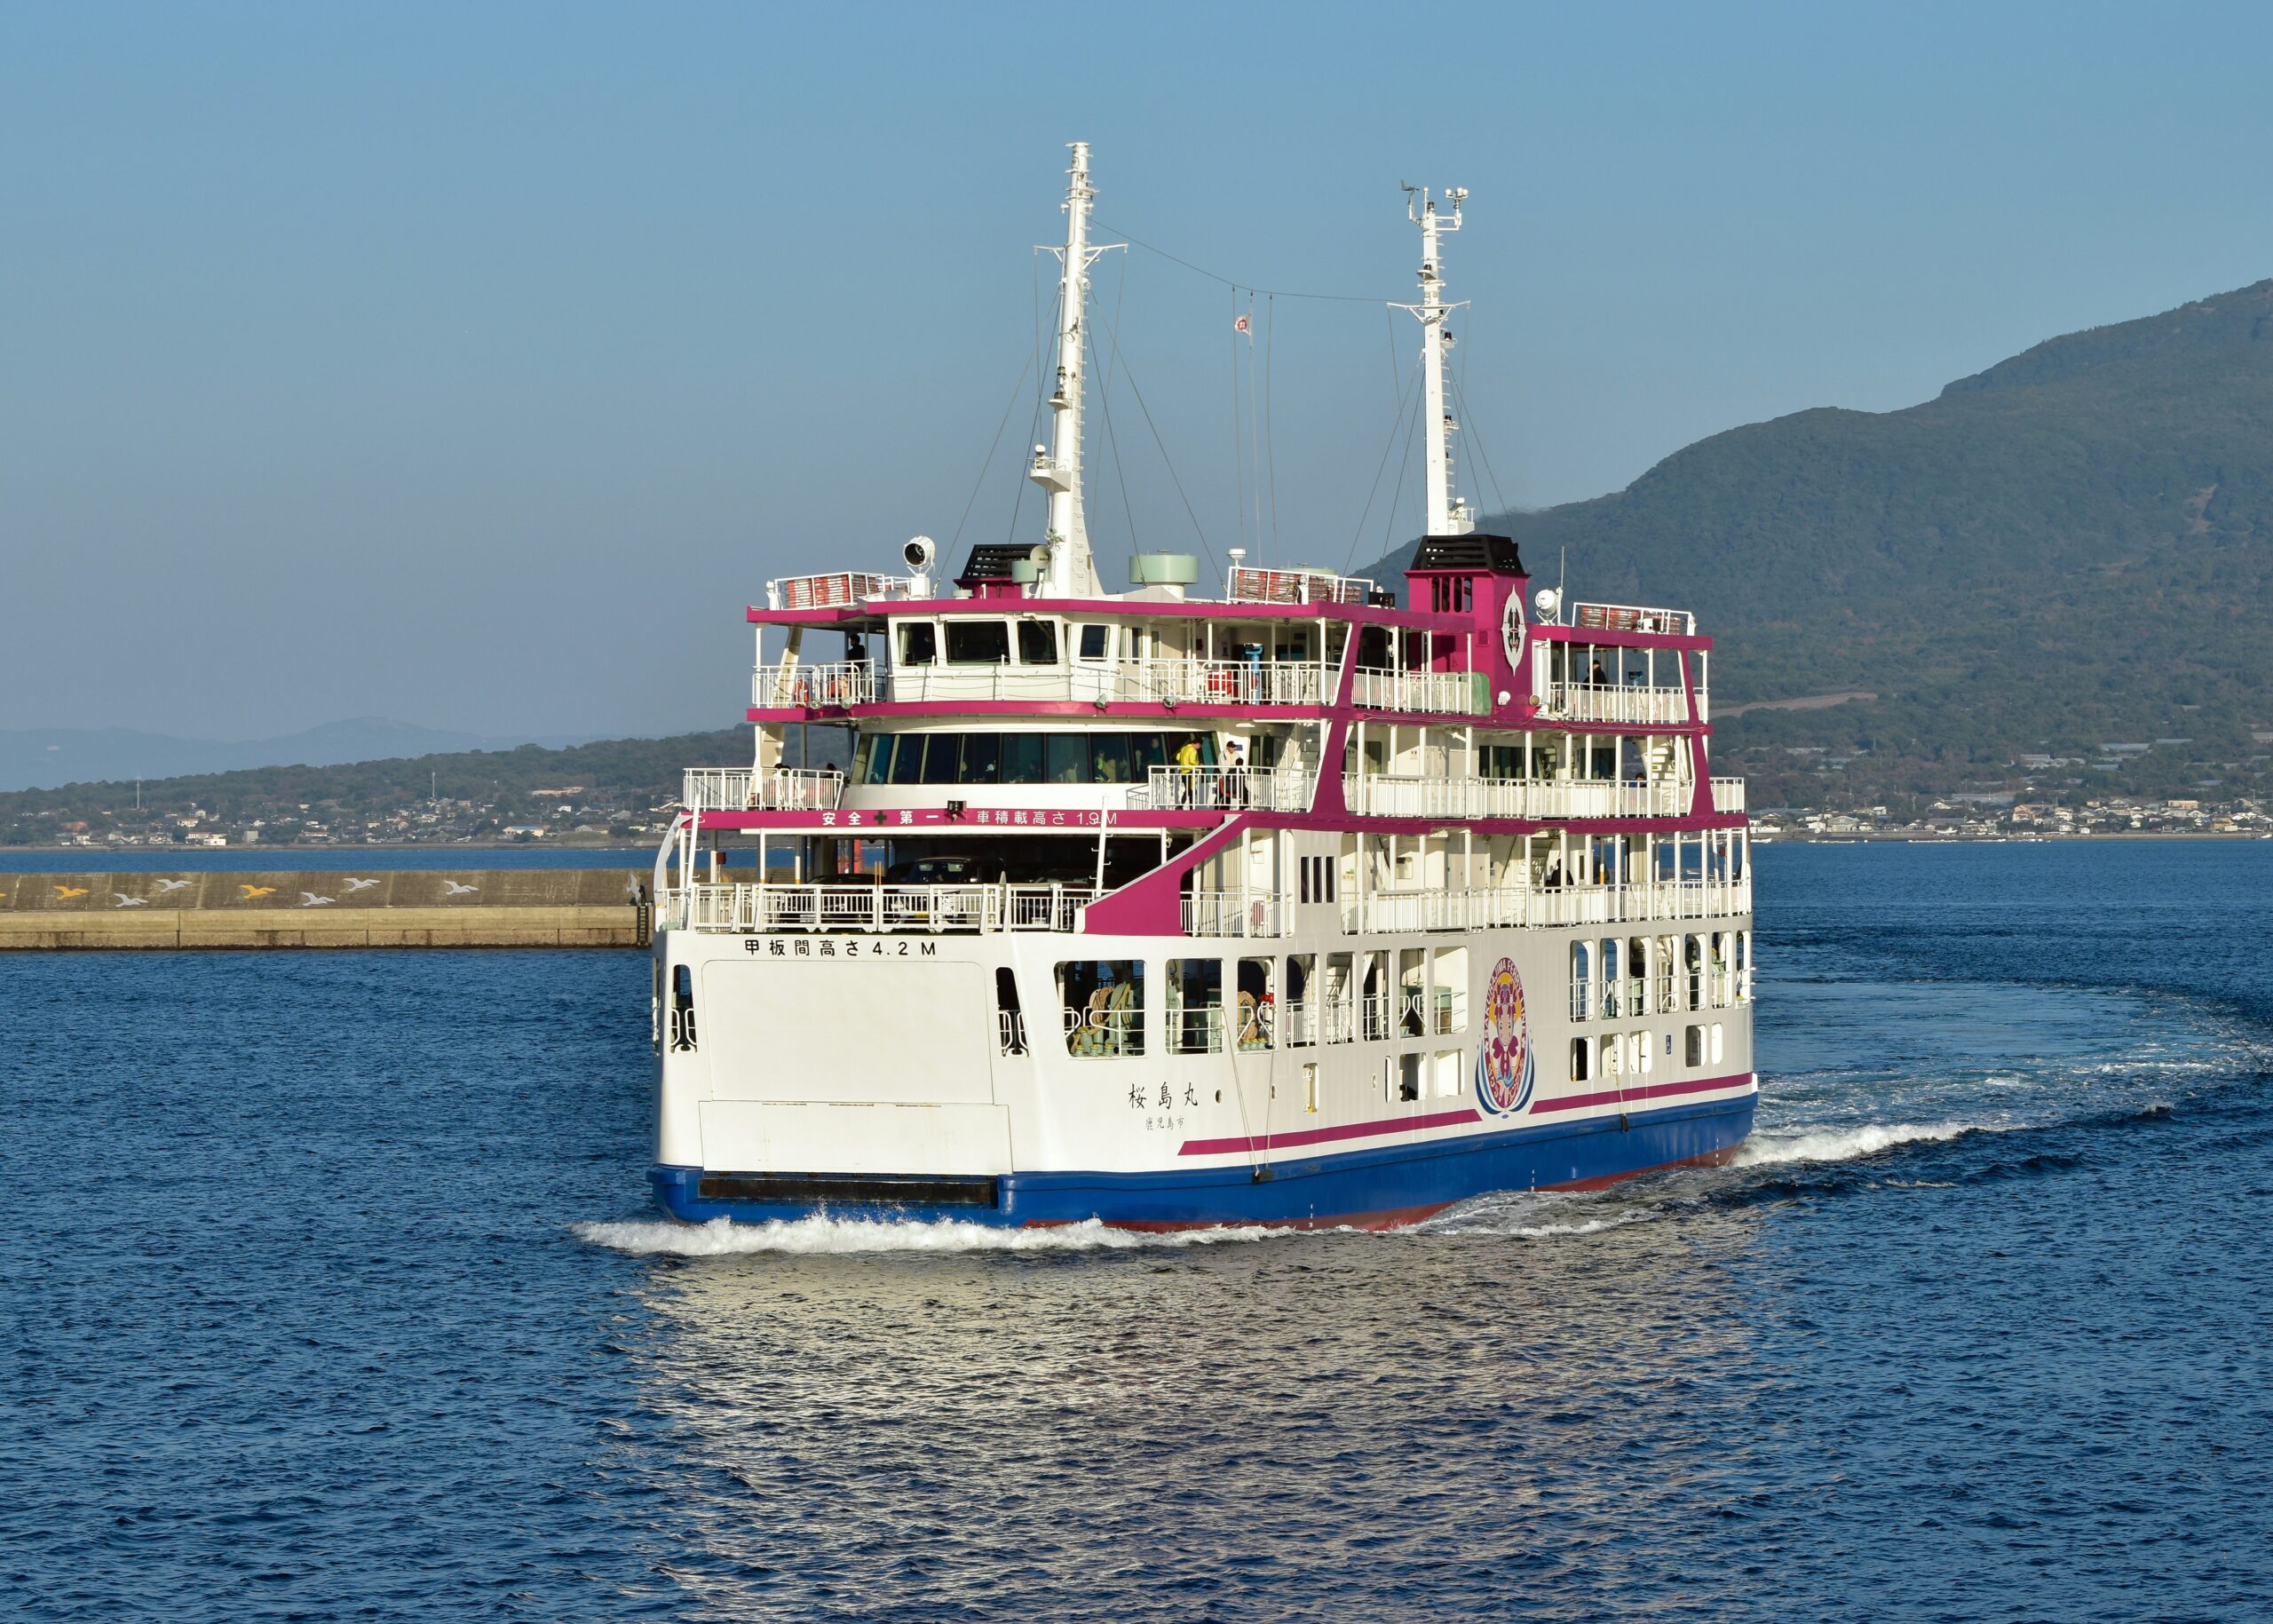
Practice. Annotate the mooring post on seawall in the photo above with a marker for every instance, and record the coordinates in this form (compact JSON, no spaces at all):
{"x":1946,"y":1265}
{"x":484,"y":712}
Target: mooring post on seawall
{"x":480,"y":907}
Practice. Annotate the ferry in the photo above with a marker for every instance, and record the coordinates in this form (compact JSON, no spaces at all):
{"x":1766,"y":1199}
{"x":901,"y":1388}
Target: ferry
{"x":1315,"y":902}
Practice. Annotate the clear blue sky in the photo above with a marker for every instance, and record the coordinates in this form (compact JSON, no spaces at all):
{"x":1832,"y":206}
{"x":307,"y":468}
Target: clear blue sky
{"x":472,"y":364}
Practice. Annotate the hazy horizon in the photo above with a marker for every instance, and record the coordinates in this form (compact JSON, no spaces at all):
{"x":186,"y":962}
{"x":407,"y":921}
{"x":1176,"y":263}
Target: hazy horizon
{"x":472,"y":367}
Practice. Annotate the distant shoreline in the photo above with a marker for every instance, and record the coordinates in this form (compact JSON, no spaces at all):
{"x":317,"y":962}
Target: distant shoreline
{"x":1857,"y":837}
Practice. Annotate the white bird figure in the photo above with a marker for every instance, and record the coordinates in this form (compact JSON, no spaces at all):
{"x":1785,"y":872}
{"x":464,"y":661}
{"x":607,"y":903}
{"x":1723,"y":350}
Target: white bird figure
{"x":356,"y":885}
{"x":167,"y":887}
{"x":132,"y":901}
{"x":451,"y":888}
{"x":308,"y":898}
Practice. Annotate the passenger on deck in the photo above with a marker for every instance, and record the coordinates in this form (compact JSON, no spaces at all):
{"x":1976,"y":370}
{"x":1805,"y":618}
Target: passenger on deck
{"x":1235,"y":775}
{"x":1187,"y":765}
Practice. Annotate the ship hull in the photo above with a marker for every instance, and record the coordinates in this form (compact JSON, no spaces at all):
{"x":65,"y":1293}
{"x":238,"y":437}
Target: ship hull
{"x":1378,"y":1188}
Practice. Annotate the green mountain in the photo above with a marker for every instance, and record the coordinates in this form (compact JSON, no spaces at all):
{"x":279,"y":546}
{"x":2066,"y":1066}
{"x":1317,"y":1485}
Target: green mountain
{"x":2072,"y":548}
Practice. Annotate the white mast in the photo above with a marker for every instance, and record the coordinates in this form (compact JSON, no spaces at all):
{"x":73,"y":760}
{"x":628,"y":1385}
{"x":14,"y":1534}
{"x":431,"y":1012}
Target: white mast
{"x":1446,"y":515}
{"x":1058,"y":468}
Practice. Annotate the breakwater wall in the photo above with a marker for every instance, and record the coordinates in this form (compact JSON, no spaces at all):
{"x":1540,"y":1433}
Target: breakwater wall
{"x":475,"y":908}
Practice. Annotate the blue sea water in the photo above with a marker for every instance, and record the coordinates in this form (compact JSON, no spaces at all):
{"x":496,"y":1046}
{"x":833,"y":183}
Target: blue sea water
{"x":327,"y":1292}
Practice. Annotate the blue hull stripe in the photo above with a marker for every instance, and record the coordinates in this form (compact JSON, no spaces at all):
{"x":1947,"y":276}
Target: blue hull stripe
{"x":1392,"y":1181}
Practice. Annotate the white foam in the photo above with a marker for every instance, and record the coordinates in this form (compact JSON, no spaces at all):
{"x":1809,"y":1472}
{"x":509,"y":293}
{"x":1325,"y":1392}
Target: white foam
{"x":820,"y":1236}
{"x":1848,"y":1144}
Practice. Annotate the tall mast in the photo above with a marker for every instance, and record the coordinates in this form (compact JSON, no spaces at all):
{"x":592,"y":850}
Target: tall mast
{"x":1058,"y":468}
{"x":1446,"y":515}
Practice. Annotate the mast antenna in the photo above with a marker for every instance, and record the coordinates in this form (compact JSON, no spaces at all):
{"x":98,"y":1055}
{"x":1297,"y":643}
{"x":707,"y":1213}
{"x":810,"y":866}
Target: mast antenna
{"x":1072,"y":572}
{"x":1446,"y":514}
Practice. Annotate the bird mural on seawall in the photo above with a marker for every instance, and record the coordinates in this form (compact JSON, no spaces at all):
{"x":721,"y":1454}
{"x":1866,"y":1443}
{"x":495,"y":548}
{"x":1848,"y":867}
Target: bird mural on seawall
{"x":309,"y":899}
{"x":451,"y":888}
{"x":132,"y":901}
{"x":168,"y":887}
{"x":356,"y":885}
{"x":252,"y":891}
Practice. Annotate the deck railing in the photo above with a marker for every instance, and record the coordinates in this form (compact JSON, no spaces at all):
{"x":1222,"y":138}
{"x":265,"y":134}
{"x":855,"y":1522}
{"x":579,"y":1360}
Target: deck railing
{"x":1508,"y":908}
{"x":832,"y":687}
{"x":1164,"y":682}
{"x":1626,"y":617}
{"x":746,"y":789}
{"x":1231,"y":913}
{"x":839,"y":589}
{"x":1631,"y":704}
{"x":1728,"y":794}
{"x":874,"y":908}
{"x":1223,"y":788}
{"x":1296,"y":586}
{"x":1383,"y":796}
{"x":1433,"y":692}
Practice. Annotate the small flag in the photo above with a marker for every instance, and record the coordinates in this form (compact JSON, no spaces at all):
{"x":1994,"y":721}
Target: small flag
{"x":1242,"y":326}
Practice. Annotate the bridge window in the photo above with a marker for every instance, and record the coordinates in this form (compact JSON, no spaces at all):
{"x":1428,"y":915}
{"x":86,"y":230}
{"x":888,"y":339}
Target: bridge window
{"x":979,"y":643}
{"x":1096,"y":641}
{"x":1037,"y":642}
{"x":919,"y":643}
{"x":1102,"y":1001}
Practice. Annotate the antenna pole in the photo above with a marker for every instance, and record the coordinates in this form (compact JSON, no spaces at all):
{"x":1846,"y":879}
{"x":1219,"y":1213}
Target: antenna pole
{"x":1446,"y":514}
{"x":1058,"y":469}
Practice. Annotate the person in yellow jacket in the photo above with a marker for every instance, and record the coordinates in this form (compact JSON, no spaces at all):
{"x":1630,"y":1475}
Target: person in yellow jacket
{"x":1187,"y":763}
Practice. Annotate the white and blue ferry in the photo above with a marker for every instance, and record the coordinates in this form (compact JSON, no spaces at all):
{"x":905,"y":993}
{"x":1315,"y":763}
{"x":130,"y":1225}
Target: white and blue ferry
{"x":1316,"y":902}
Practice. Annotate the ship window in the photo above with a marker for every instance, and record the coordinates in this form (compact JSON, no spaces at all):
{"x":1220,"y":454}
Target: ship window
{"x":1448,"y":1074}
{"x":1408,"y":1076}
{"x":1310,"y":1087}
{"x":1335,"y":1009}
{"x":683,"y":1007}
{"x":1258,"y":1017}
{"x":979,"y":643}
{"x":1637,"y":1052}
{"x":1021,"y":759}
{"x":1300,"y":1020}
{"x":1693,"y":1048}
{"x":1037,"y":642}
{"x":1068,"y":755}
{"x":1195,"y":1006}
{"x":1103,"y":1002}
{"x":1109,"y":758}
{"x":919,"y":643}
{"x":907,"y":759}
{"x":875,"y":761}
{"x":1448,"y":991}
{"x":1096,"y":641}
{"x":1713,"y":1044}
{"x":1147,"y":751}
{"x":940,"y":753}
{"x":1582,"y":986}
{"x":1582,"y":1055}
{"x":982,"y":759}
{"x":1010,"y":1022}
{"x":1373,"y":646}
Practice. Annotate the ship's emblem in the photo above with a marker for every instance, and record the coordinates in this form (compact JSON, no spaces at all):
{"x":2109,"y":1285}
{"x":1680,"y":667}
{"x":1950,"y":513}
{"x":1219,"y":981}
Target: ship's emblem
{"x":1503,"y":1058}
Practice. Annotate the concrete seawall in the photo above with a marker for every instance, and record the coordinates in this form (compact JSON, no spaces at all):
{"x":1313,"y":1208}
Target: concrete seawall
{"x":510,"y":907}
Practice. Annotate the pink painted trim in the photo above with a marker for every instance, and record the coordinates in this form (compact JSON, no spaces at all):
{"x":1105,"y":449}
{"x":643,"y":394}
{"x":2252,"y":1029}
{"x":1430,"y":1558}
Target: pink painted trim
{"x":1696,"y":1085}
{"x":1358,"y":614}
{"x":878,"y":821}
{"x":1599,"y":638}
{"x":1153,"y":903}
{"x":1325,"y":1136}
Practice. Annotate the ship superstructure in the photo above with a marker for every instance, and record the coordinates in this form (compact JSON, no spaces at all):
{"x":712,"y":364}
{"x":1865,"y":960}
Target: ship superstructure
{"x":1309,"y":902}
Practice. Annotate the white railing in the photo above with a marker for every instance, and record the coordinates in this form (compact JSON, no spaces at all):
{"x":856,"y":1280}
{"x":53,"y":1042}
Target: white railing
{"x":1633,"y":704}
{"x":1231,"y":913}
{"x":1728,"y":794}
{"x":1223,"y":788}
{"x":1296,"y":586}
{"x":1511,"y":907}
{"x":791,"y":683}
{"x":1626,"y":617}
{"x":1381,"y":795}
{"x":746,"y":789}
{"x":840,"y":588}
{"x":873,"y":908}
{"x":1168,"y":682}
{"x":1436,"y":692}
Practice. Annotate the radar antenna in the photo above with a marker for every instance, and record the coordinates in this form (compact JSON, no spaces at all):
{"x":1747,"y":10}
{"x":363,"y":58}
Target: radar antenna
{"x":1447,"y":514}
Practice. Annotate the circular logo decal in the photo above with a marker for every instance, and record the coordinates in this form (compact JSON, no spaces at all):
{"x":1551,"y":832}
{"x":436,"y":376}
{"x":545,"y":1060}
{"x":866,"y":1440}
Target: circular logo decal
{"x":1503,"y":1057}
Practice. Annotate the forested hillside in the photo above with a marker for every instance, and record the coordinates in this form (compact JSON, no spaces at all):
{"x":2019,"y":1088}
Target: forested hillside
{"x":2072,"y":548}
